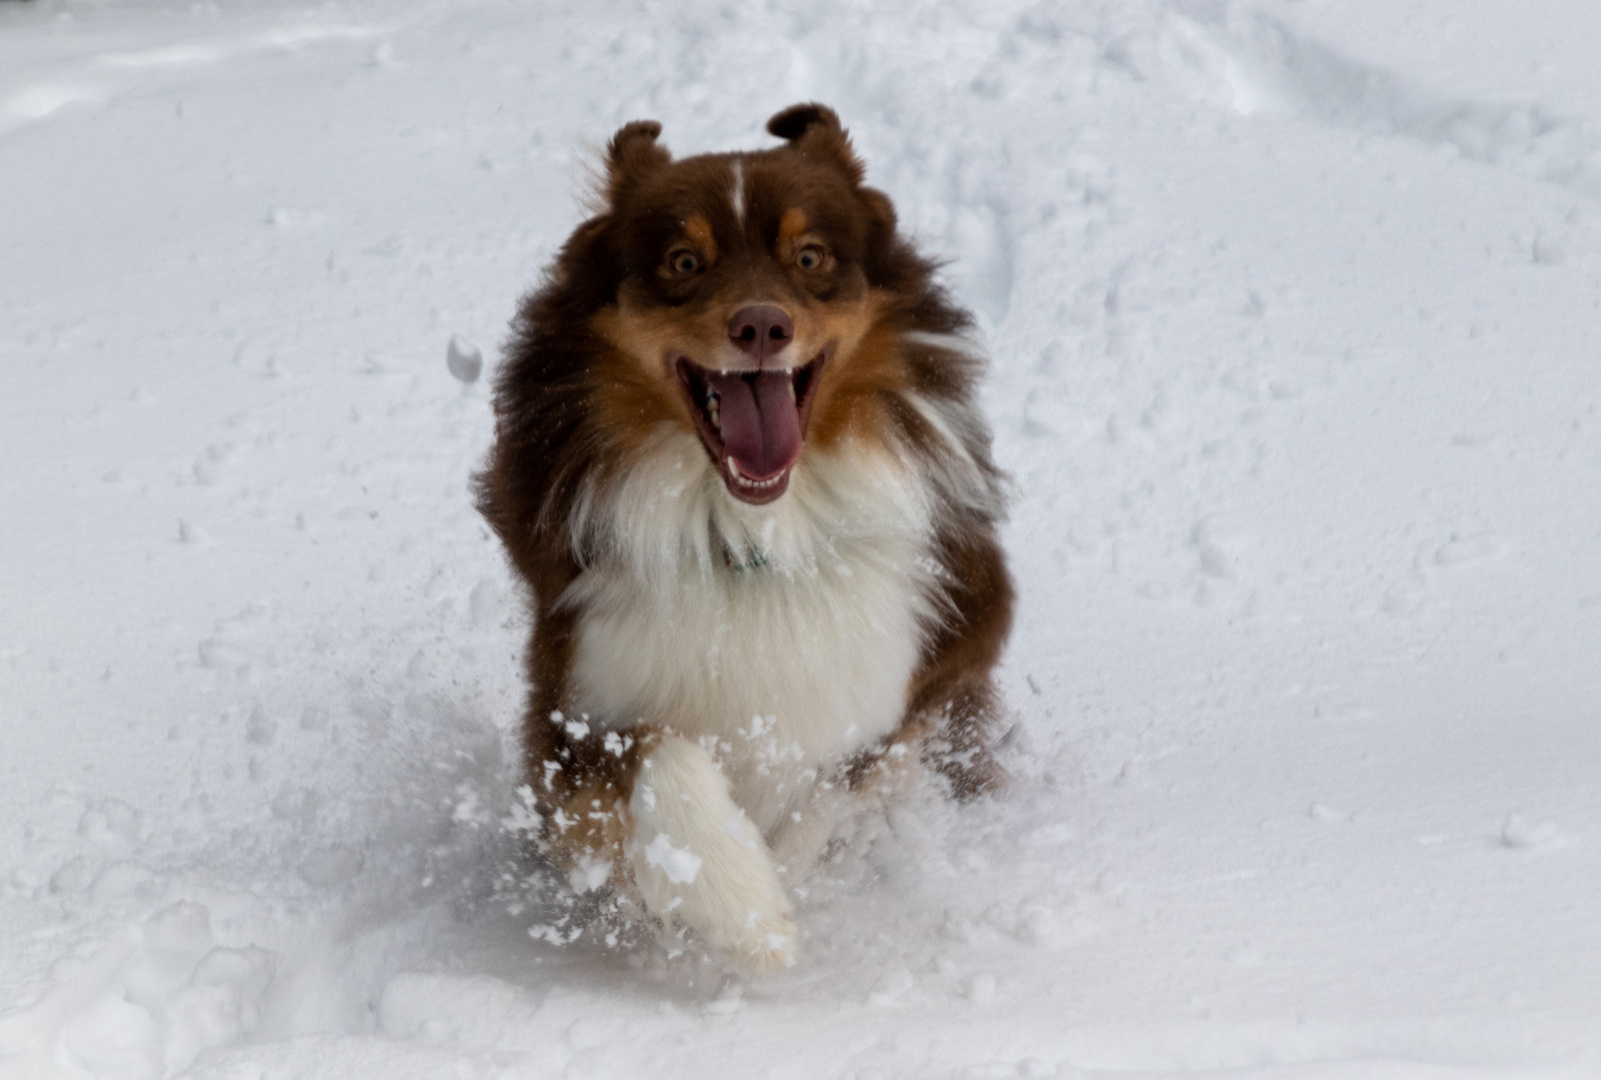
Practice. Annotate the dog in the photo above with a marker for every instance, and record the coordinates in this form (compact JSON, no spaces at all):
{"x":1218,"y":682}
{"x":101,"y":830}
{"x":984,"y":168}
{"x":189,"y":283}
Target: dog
{"x":739,"y":465}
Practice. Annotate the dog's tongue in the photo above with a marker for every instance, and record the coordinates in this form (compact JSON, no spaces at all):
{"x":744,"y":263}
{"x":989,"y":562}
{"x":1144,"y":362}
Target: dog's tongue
{"x":760,"y":424}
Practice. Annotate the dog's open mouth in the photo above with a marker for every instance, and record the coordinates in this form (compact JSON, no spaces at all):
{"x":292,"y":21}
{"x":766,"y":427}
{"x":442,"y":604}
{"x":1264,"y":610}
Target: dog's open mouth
{"x":752,"y":422}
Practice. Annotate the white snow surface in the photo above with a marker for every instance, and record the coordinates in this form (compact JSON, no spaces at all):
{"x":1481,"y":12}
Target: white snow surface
{"x":1295,"y":307}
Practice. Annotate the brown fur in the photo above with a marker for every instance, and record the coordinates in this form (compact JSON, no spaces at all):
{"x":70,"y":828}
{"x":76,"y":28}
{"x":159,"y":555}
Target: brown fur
{"x":584,"y":385}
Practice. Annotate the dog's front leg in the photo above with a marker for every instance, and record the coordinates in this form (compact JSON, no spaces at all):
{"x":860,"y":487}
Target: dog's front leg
{"x":699,"y":861}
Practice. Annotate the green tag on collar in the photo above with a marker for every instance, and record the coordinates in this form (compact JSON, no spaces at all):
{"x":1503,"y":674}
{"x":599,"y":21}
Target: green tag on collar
{"x":757,"y":562}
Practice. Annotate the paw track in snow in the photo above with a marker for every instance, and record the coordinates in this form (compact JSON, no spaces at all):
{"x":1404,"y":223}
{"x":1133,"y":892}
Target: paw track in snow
{"x":1257,"y":63}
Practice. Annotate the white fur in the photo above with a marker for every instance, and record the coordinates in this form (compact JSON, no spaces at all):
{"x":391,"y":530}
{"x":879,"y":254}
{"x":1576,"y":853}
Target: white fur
{"x":699,"y":860}
{"x":954,"y":465}
{"x":772,"y":642}
{"x":956,"y":343}
{"x":792,"y":658}
{"x":737,"y":196}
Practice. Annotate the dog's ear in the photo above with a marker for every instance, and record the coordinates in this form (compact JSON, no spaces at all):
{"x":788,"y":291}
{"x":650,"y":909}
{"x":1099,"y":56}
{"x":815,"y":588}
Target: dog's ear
{"x":815,"y":131}
{"x":883,"y":248}
{"x":631,"y":155}
{"x":883,"y":211}
{"x":586,"y":266}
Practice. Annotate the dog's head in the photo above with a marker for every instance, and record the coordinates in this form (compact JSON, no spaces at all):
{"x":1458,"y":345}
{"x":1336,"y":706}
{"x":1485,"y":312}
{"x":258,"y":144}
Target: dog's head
{"x":742,"y":295}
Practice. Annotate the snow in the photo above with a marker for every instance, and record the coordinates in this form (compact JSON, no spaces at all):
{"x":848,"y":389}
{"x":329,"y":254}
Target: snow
{"x":464,"y":359}
{"x":1295,"y":310}
{"x":679,"y":864}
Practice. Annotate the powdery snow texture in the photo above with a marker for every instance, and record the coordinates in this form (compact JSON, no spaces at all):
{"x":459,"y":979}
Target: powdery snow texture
{"x":1295,"y":311}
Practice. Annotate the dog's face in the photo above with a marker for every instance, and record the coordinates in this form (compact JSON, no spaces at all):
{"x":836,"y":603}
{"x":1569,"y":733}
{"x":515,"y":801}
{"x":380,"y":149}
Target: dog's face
{"x":744,"y":307}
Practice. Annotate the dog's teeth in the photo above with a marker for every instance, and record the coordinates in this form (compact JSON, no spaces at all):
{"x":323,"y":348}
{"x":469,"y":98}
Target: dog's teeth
{"x":714,"y":409}
{"x":746,"y":482}
{"x":792,"y":389}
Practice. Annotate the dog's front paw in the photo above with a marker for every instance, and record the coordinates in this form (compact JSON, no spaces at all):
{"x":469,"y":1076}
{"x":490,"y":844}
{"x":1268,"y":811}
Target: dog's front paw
{"x":768,"y":942}
{"x":700,"y":862}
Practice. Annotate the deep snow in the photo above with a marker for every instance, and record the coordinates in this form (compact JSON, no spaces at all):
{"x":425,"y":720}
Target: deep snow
{"x":1296,"y":317}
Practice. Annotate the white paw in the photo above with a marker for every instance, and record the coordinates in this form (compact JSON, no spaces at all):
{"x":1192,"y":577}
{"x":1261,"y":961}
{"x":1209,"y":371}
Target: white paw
{"x":700,"y":862}
{"x":768,"y":941}
{"x":800,"y":841}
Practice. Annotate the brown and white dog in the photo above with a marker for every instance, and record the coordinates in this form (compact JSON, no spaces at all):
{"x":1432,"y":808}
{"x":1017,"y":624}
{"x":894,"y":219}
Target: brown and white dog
{"x":740,"y":466}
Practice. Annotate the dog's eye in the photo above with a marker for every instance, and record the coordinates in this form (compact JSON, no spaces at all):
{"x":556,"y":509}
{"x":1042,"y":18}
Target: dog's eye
{"x":683,"y":261}
{"x":810,"y":257}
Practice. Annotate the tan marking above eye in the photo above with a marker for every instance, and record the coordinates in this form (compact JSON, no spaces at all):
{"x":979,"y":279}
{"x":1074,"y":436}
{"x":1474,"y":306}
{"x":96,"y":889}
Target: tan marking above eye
{"x":791,"y":227}
{"x":695,"y":250}
{"x":699,"y":232}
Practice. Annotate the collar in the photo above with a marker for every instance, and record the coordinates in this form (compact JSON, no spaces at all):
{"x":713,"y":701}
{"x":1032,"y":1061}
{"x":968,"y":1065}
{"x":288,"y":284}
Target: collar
{"x":758,"y":561}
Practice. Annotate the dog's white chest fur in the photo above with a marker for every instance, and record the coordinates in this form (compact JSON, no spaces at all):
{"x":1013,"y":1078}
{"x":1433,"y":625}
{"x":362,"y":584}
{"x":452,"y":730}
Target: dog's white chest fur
{"x":794,"y":658}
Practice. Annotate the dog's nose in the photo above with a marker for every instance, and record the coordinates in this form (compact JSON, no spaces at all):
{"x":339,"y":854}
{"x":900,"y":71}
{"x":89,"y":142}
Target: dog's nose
{"x":761,"y":330}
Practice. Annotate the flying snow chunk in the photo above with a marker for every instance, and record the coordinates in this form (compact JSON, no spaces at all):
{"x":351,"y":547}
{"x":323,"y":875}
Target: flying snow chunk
{"x":589,"y":875}
{"x":464,"y":359}
{"x":679,"y":864}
